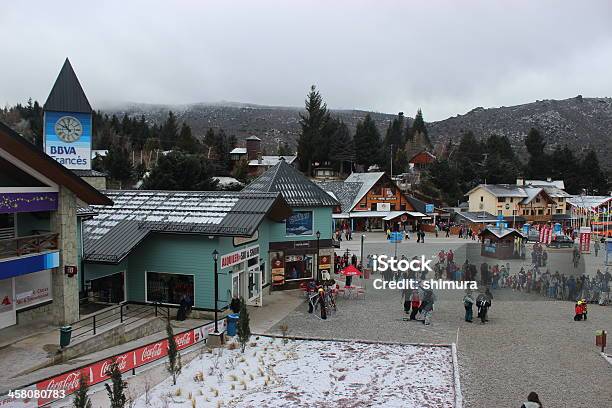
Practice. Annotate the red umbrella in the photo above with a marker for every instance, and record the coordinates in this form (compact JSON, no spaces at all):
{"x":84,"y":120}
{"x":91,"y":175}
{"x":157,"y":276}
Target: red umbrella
{"x":351,"y":270}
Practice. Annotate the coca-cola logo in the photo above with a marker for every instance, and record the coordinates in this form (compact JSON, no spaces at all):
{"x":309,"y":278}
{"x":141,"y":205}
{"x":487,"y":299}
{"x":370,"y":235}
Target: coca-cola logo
{"x":151,"y":352}
{"x":70,"y":382}
{"x":183,"y":340}
{"x":122,"y":362}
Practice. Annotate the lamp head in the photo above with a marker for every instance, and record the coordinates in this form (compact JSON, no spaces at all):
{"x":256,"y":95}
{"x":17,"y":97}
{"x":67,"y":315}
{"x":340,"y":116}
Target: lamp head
{"x":318,"y":234}
{"x":215,"y":254}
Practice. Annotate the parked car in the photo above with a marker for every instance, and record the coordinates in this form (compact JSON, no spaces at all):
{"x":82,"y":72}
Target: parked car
{"x":561,"y":241}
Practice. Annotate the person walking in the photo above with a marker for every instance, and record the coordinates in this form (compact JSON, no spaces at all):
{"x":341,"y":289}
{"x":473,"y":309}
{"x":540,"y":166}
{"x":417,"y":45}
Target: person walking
{"x":533,"y":401}
{"x":596,"y":247}
{"x":427,"y":306}
{"x":415,"y":303}
{"x":483,"y":303}
{"x":468,"y":303}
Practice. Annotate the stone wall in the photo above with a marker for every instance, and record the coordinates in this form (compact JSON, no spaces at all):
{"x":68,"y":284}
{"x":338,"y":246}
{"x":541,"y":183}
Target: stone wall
{"x":65,"y":289}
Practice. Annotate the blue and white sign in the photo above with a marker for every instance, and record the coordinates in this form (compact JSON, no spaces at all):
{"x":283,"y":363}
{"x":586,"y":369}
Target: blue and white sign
{"x":68,"y":139}
{"x":429,"y":208}
{"x":396,"y":237}
{"x":299,"y":223}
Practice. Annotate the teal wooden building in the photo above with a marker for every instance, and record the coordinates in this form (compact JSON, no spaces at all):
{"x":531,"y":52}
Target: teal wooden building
{"x":157,"y":246}
{"x":301,"y":247}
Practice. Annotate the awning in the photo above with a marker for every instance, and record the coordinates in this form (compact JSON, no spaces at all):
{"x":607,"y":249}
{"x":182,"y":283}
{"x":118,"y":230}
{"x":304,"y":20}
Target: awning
{"x":416,"y":214}
{"x":386,"y":215}
{"x":340,"y":216}
{"x":394,"y":214}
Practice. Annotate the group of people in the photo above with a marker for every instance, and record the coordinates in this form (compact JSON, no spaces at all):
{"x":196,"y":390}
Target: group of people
{"x":482,"y":302}
{"x":419,"y":304}
{"x":344,"y":230}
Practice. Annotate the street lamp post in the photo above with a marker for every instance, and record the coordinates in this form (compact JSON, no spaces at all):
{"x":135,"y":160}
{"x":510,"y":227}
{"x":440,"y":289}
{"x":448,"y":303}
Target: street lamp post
{"x":362,"y":238}
{"x":216,"y":257}
{"x":317,"y":265}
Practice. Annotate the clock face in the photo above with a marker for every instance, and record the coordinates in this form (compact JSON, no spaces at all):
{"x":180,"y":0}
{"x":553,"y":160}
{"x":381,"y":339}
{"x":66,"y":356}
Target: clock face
{"x":68,"y":128}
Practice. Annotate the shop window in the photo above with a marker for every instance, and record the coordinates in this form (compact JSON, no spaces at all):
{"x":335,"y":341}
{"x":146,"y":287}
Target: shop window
{"x":501,"y":199}
{"x":169,"y":287}
{"x":376,"y":190}
{"x":299,"y":267}
{"x":7,"y":226}
{"x":559,"y":211}
{"x":362,"y":205}
{"x":373,"y":207}
{"x":108,"y":289}
{"x":540,"y":211}
{"x":481,"y":199}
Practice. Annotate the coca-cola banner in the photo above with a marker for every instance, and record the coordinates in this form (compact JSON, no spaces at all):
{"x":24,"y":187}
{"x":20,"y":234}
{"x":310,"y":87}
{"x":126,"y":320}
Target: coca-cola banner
{"x":151,"y":352}
{"x":98,"y":371}
{"x":585,"y":239}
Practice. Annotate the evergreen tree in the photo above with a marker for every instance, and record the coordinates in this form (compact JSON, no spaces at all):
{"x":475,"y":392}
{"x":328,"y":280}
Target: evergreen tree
{"x":117,"y":163}
{"x":444,"y":181}
{"x":174,"y":365}
{"x":367,"y":143}
{"x":169,"y":132}
{"x":468,"y":159}
{"x":180,"y":171}
{"x":394,"y":138}
{"x":81,"y":399}
{"x":418,"y":125}
{"x":593,"y":179}
{"x":539,"y":165}
{"x":186,"y":141}
{"x":312,"y":123}
{"x":244,"y":328}
{"x":341,"y":148}
{"x":566,"y":167}
{"x":400,"y":161}
{"x":116,"y":392}
{"x":284,"y":149}
{"x":241,"y":170}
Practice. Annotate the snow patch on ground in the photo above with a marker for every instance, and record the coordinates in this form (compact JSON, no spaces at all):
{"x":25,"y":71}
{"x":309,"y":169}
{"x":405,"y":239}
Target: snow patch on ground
{"x":306,"y":373}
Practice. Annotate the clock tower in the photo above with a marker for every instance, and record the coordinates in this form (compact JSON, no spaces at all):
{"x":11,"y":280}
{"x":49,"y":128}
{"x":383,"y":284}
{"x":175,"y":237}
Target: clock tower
{"x":67,"y":123}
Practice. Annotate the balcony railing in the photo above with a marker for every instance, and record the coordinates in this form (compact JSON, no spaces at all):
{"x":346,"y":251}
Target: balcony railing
{"x":28,"y":245}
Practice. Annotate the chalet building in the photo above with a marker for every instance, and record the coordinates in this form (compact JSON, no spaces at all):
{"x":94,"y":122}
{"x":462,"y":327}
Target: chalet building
{"x":371,"y":201}
{"x":301,"y":246}
{"x":42,"y":208}
{"x":422,"y":160}
{"x":158,"y":246}
{"x":502,"y":243}
{"x":253,"y":154}
{"x":531,"y":201}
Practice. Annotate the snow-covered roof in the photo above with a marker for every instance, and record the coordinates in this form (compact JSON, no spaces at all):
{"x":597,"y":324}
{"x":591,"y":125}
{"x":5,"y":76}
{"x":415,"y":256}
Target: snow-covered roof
{"x":226,"y":181}
{"x":270,"y":161}
{"x":501,"y":232}
{"x":367,"y":180}
{"x":239,"y":150}
{"x":589,"y":202}
{"x":550,"y":183}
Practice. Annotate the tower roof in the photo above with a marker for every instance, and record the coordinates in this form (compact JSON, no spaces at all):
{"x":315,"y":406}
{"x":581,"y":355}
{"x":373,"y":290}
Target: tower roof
{"x":67,"y":95}
{"x":297,"y":190}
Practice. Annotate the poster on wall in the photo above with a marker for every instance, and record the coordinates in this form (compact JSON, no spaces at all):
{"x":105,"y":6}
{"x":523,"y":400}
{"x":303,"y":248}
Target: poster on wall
{"x":278,"y":268}
{"x":383,"y":207}
{"x":32,"y":289}
{"x":585,"y":239}
{"x":68,"y":139}
{"x":299,"y":223}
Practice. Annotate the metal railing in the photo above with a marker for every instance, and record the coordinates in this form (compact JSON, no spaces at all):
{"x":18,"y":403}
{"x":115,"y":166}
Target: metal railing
{"x":125,"y":313}
{"x":28,"y":245}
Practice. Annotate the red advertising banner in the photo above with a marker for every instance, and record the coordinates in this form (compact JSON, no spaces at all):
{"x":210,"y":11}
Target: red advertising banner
{"x":97,"y":372}
{"x":585,"y":239}
{"x":542,"y":233}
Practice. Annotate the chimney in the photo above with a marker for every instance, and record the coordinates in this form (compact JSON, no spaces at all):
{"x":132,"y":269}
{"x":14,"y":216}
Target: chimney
{"x":253,"y":146}
{"x":520,"y":181}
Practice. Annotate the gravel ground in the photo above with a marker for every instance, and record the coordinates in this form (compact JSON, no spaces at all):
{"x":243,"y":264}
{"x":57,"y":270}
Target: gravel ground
{"x":529,"y":344}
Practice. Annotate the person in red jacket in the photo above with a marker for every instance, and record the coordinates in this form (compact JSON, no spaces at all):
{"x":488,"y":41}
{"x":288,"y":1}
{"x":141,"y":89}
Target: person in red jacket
{"x":579,"y":311}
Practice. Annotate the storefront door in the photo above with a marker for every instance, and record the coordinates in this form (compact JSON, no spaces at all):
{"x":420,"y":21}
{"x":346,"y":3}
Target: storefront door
{"x":254,"y":286}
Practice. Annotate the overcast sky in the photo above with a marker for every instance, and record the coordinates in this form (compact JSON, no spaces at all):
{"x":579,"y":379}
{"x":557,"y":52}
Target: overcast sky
{"x":446,"y":57}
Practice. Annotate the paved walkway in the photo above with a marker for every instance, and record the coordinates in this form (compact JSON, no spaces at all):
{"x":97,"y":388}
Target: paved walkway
{"x":529,"y":344}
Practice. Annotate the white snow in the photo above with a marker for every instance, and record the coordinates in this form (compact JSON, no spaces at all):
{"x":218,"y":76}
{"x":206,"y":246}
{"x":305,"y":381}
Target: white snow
{"x":305,"y":373}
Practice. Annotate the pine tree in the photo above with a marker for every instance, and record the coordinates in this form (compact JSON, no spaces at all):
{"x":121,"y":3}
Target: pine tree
{"x":539,"y":165}
{"x":367,"y":143}
{"x":169,"y":132}
{"x":180,"y":171}
{"x":284,"y":149}
{"x":313,"y":124}
{"x":593,"y":179}
{"x":341,"y":148}
{"x":174,"y":365}
{"x":244,"y":328}
{"x":81,"y":399}
{"x":186,"y":142}
{"x":116,"y":393}
{"x":117,"y":163}
{"x":241,"y":169}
